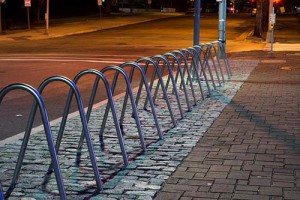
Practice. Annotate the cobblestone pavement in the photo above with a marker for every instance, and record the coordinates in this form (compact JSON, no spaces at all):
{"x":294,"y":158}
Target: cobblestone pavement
{"x":145,"y":174}
{"x":252,"y":150}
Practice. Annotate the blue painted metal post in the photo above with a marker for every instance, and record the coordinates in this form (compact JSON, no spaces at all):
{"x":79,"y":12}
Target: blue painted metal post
{"x":197,"y":6}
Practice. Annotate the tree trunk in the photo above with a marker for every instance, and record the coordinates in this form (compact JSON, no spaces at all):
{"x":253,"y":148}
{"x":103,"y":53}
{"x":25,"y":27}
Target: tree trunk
{"x":38,"y":15}
{"x":258,"y":20}
{"x":262,"y":17}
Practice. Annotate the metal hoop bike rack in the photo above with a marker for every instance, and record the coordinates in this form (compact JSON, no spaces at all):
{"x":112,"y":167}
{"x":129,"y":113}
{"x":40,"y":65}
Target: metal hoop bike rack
{"x":133,"y":66}
{"x":38,"y":102}
{"x":182,"y":70}
{"x":147,"y":62}
{"x":74,"y":90}
{"x":165,"y":62}
{"x":118,"y":71}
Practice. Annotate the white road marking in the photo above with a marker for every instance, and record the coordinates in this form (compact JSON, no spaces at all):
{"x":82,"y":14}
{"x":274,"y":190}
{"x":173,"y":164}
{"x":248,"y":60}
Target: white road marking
{"x":69,"y":58}
{"x":60,"y":60}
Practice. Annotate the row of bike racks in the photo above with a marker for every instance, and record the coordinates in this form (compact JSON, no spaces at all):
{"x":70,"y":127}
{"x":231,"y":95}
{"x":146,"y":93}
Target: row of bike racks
{"x":187,"y":66}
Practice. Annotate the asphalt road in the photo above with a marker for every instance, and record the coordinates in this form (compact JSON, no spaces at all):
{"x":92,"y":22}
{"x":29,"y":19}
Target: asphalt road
{"x":32,"y":62}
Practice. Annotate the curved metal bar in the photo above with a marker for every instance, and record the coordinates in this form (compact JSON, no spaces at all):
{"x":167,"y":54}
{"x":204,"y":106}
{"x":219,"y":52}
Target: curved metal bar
{"x":75,"y":90}
{"x":206,"y":63}
{"x":134,"y":109}
{"x":1,"y":192}
{"x":186,"y":68}
{"x":194,"y":66}
{"x":99,"y":76}
{"x":197,"y":50}
{"x":160,"y":80}
{"x":165,"y":61}
{"x":225,"y":58}
{"x":38,"y":101}
{"x":144,"y":79}
{"x":218,"y":60}
{"x":210,"y":54}
{"x":160,"y":72}
{"x":167,"y":55}
{"x":157,"y":86}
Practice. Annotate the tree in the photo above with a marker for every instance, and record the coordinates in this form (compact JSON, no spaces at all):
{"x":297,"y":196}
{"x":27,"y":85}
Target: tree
{"x":262,"y":16}
{"x":39,"y":6}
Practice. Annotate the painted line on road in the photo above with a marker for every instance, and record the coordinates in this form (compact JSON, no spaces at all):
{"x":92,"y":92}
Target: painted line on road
{"x":70,"y":55}
{"x":60,"y":60}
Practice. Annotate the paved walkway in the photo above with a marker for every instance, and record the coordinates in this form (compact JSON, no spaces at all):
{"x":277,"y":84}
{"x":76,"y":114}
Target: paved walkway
{"x":60,"y":28}
{"x":252,"y":150}
{"x":242,"y":143}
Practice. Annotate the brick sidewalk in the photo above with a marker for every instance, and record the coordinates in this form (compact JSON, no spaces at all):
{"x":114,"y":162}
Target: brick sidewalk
{"x":252,"y":150}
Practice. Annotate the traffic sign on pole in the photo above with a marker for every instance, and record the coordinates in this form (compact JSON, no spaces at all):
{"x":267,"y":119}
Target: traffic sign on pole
{"x":27,"y":3}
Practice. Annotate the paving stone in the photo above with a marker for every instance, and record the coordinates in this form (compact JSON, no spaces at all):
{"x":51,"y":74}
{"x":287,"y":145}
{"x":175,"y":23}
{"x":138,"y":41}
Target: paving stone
{"x":168,"y":196}
{"x":222,"y":188}
{"x":239,"y":174}
{"x":275,"y":191}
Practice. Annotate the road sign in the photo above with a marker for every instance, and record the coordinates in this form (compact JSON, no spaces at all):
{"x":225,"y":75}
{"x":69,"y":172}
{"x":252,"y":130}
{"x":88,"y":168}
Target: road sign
{"x":272,"y":18}
{"x":27,"y":3}
{"x":99,"y":2}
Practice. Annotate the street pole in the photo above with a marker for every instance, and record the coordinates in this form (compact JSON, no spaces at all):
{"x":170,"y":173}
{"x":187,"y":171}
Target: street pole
{"x":197,"y":6}
{"x":222,"y":21}
{"x":0,"y":18}
{"x":47,"y":18}
{"x":28,"y":18}
{"x":269,"y":34}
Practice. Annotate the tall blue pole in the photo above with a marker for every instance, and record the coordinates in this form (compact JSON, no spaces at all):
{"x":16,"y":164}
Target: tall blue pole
{"x":197,"y":6}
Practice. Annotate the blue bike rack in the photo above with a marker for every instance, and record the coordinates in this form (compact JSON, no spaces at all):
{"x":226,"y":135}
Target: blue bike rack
{"x":196,"y":72}
{"x":165,"y":62}
{"x":133,"y":66}
{"x":216,"y":54}
{"x":179,"y":72}
{"x":196,"y":51}
{"x":182,"y":58}
{"x":147,"y":62}
{"x":207,"y":48}
{"x":38,"y":101}
{"x":1,"y":193}
{"x":222,"y":50}
{"x":134,"y":109}
{"x":110,"y":103}
{"x":188,"y":65}
{"x":73,"y":90}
